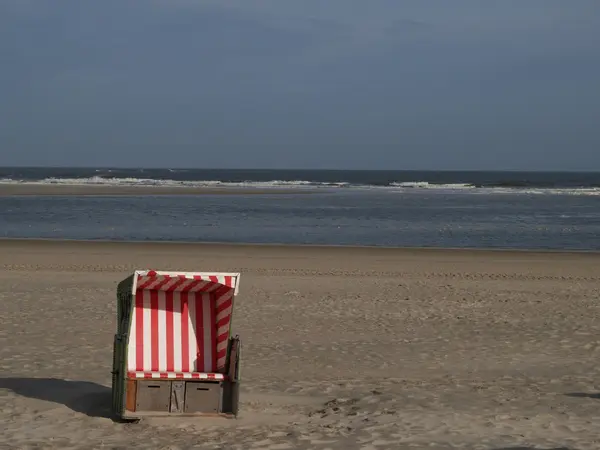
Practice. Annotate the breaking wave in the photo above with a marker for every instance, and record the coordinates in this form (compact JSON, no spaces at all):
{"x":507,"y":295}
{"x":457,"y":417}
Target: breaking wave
{"x":404,"y":186}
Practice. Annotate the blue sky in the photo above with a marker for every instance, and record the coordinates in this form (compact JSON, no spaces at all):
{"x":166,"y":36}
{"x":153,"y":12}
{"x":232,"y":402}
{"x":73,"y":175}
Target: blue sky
{"x":378,"y":84}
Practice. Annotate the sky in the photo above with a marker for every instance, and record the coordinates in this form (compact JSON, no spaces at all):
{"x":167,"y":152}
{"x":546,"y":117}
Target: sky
{"x":346,"y":84}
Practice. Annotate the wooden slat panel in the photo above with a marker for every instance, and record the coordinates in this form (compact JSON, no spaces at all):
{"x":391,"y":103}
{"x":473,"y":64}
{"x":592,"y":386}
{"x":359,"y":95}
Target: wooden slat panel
{"x":131,"y":395}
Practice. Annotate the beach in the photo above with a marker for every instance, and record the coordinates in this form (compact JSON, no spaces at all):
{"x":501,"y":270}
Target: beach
{"x":366,"y":348}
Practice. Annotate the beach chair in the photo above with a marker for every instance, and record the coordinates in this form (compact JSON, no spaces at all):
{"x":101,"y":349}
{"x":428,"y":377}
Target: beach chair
{"x":173,"y":351}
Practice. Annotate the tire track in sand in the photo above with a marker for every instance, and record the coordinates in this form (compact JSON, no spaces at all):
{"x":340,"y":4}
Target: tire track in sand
{"x":472,"y":276}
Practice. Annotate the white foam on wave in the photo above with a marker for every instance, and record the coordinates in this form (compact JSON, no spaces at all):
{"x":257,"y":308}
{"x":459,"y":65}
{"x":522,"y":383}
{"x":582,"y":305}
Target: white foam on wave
{"x":554,"y":191}
{"x":462,"y":187}
{"x":410,"y":186}
{"x":427,"y":185}
{"x":102,"y":181}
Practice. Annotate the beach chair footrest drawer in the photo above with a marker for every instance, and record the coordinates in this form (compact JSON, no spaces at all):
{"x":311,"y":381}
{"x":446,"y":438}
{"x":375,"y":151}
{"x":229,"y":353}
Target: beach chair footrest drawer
{"x":202,"y":397}
{"x":153,"y":396}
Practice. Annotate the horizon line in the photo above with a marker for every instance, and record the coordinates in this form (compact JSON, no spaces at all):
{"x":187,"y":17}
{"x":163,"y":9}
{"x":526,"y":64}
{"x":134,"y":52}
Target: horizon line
{"x":301,"y":169}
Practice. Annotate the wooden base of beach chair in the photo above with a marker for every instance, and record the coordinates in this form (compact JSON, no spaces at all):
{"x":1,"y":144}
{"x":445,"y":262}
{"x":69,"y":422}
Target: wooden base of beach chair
{"x":152,"y":398}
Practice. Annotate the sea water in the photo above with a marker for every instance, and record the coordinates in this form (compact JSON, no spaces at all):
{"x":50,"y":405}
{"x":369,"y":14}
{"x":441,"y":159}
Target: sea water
{"x":386,"y":208}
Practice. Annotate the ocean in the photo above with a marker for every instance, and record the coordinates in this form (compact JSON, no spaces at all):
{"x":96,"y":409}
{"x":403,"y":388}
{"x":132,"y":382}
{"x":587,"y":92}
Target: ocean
{"x":519,"y":210}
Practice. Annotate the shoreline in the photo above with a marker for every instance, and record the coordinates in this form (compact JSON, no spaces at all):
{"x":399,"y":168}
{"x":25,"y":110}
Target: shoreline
{"x":278,"y":247}
{"x":36,"y":189}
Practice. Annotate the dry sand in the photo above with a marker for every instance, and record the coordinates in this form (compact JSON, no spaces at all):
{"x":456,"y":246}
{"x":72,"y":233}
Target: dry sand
{"x":344,"y":348}
{"x":10,"y":189}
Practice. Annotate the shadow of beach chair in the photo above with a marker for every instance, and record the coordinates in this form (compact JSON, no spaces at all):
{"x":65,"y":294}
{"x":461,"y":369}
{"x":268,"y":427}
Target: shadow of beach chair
{"x":173,"y":350}
{"x":85,"y":397}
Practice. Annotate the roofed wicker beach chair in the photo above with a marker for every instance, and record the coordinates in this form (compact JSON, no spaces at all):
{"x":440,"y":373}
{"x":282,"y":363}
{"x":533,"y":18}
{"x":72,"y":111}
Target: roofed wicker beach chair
{"x":173,"y":350}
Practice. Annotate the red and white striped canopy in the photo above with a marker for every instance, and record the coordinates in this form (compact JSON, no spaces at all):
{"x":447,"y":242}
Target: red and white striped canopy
{"x":181,"y":323}
{"x":184,"y":282}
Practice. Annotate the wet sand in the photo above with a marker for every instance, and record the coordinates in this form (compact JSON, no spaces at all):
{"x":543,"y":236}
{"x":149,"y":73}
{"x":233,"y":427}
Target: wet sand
{"x":344,"y":348}
{"x":8,"y":189}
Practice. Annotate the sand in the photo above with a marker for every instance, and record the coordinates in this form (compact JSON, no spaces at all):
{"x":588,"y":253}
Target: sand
{"x":37,"y":189}
{"x":344,"y":348}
